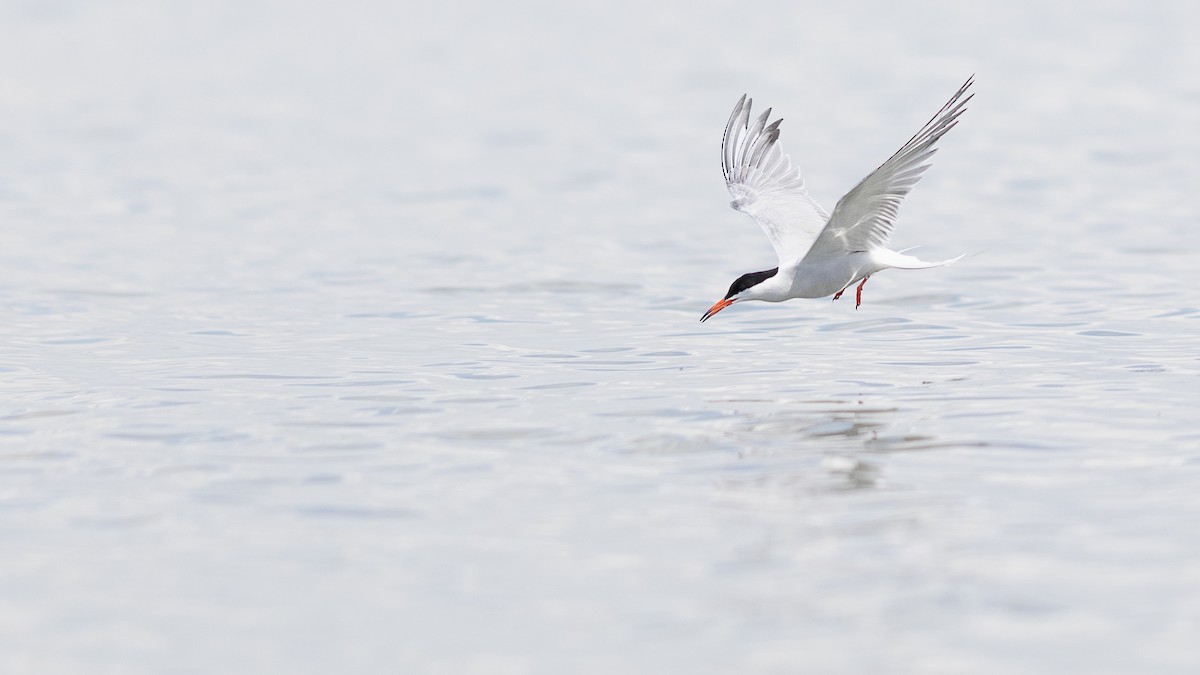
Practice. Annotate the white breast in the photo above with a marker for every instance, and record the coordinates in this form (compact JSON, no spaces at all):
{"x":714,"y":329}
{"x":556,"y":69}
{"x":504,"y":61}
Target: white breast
{"x":817,"y":280}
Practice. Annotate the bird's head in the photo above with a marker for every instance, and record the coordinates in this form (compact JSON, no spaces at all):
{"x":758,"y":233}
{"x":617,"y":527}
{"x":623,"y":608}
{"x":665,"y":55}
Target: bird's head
{"x":746,"y":287}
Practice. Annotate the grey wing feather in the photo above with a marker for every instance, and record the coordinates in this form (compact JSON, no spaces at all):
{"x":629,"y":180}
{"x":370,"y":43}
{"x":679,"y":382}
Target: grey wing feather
{"x":863,"y":219}
{"x":764,"y":184}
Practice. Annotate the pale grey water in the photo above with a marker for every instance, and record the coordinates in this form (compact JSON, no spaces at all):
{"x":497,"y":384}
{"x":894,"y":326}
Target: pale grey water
{"x":364,"y":339}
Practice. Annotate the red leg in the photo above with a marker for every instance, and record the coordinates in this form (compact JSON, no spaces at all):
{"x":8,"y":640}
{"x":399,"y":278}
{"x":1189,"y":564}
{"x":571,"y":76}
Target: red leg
{"x":858,"y":292}
{"x":839,"y":293}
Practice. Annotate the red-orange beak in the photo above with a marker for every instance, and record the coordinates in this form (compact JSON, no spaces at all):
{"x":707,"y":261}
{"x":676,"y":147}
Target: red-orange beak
{"x":721,"y":304}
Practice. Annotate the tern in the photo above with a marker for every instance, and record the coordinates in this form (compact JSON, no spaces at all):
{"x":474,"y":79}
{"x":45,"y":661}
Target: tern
{"x":821,"y":254}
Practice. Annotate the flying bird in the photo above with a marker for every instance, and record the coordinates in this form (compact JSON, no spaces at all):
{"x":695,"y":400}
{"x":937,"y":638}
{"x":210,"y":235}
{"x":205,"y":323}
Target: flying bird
{"x":821,"y":254}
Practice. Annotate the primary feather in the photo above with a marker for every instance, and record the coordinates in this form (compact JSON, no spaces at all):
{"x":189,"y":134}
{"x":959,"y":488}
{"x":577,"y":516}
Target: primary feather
{"x":765,"y":185}
{"x":863,"y":219}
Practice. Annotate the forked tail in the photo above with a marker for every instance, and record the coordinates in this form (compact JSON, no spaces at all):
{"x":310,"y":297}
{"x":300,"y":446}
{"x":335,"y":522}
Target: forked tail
{"x":899,"y":260}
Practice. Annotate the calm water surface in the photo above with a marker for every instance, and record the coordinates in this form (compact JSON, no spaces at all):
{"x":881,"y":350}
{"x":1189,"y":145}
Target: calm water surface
{"x":366,"y":340}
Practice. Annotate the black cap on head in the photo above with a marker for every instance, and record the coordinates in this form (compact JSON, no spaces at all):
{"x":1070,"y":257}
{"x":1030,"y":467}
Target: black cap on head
{"x":751,"y":279}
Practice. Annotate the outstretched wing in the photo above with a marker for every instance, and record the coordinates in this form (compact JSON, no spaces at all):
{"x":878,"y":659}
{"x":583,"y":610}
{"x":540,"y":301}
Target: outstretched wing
{"x":864,"y":218}
{"x":765,"y":185}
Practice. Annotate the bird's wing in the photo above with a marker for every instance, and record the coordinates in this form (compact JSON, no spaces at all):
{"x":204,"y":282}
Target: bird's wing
{"x":765,"y":185}
{"x":863,"y":219}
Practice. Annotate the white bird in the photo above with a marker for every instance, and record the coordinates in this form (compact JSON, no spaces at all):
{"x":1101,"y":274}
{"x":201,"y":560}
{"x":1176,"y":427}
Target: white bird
{"x":820,"y":254}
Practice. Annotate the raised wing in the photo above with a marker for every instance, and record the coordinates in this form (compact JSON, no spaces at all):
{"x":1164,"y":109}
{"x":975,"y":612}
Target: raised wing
{"x":765,"y":185}
{"x":864,"y":218}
